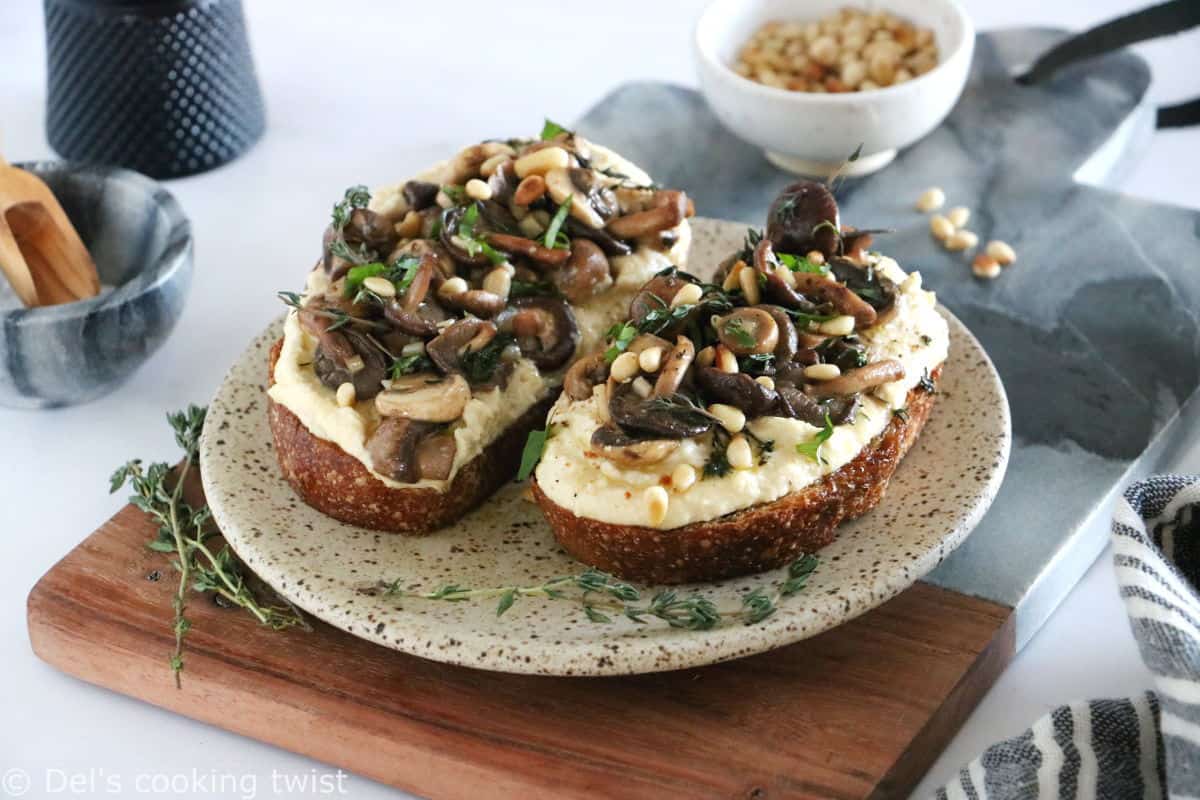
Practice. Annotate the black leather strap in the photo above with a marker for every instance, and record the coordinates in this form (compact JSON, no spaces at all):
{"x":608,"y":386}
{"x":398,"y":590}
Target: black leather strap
{"x":1164,"y":19}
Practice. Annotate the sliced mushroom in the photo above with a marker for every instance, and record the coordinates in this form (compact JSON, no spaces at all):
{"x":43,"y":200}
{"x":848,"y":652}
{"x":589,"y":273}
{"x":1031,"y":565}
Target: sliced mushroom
{"x":426,"y":397}
{"x":789,"y":343}
{"x":736,"y":389}
{"x":586,"y":273}
{"x":393,"y":446}
{"x":544,"y":327}
{"x":804,"y":217}
{"x":560,"y":186}
{"x":748,"y":331}
{"x":795,"y":404}
{"x":669,"y":209}
{"x":857,"y":380}
{"x":655,"y":295}
{"x":670,"y":417}
{"x":584,"y":375}
{"x":644,"y":341}
{"x":547,"y":256}
{"x":838,"y":295}
{"x":409,"y":322}
{"x":620,"y":448}
{"x":435,"y":456}
{"x":867,"y":283}
{"x":480,"y":302}
{"x":420,"y":195}
{"x":369,"y":362}
{"x":673,"y":371}
{"x":447,"y":347}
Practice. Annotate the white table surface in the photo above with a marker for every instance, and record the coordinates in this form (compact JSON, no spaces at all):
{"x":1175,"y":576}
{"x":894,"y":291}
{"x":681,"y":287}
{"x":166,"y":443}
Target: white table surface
{"x":362,"y":91}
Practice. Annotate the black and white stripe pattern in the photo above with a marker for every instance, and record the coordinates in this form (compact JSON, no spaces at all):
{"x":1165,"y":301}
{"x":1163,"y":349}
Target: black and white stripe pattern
{"x":1140,"y":747}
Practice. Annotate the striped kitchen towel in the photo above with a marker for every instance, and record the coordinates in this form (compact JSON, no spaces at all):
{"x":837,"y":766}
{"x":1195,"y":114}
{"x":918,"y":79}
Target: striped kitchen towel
{"x":1140,"y":747}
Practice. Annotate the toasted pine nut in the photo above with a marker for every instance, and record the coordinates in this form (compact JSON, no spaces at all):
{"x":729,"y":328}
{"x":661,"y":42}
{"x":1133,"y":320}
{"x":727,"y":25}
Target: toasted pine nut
{"x":624,"y":368}
{"x":822,"y":372}
{"x":838,"y":326}
{"x":412,"y":349}
{"x":453,"y":286}
{"x":815,"y":256}
{"x":478,"y":190}
{"x":748,"y":280}
{"x":688,"y":294}
{"x":731,"y":279}
{"x":409,"y":227}
{"x":986,"y":267}
{"x":1002,"y":252}
{"x":539,"y":162}
{"x":683,"y":477}
{"x":529,"y":189}
{"x":642,"y":387}
{"x":496,"y":148}
{"x":931,"y":199}
{"x":650,"y":359}
{"x":498,"y":282}
{"x":657,"y":502}
{"x":443,"y":199}
{"x":940,"y":227}
{"x":765,"y":380}
{"x":961,"y":240}
{"x":725,"y":360}
{"x":379,"y":285}
{"x":958,"y":216}
{"x":732,"y":418}
{"x":346,"y":395}
{"x":739,"y":454}
{"x":706,"y":356}
{"x":488,"y":168}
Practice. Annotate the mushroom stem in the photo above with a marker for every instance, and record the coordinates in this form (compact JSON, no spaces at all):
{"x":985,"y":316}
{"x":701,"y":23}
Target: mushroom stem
{"x":858,"y":380}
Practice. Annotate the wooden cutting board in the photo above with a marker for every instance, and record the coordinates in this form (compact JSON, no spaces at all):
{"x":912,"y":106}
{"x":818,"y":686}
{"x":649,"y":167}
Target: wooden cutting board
{"x":860,"y":711}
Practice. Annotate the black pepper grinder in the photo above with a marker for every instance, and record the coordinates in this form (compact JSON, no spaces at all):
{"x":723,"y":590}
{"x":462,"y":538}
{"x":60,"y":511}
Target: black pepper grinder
{"x":164,"y":87}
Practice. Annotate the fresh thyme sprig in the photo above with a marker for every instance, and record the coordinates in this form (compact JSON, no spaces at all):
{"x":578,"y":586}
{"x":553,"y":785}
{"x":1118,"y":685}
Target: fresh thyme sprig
{"x":601,"y":596}
{"x":187,"y":531}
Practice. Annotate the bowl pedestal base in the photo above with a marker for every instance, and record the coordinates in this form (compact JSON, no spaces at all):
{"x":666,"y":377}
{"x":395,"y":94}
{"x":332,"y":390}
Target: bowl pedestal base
{"x":865,"y":165}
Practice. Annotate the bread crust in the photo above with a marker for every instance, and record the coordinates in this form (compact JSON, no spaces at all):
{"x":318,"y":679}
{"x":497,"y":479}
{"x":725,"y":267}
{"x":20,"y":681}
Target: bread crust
{"x":751,"y":540}
{"x":336,"y":483}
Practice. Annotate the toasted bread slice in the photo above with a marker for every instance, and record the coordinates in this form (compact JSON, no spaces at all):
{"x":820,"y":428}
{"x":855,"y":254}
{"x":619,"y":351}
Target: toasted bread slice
{"x":335,"y":483}
{"x":754,"y":539}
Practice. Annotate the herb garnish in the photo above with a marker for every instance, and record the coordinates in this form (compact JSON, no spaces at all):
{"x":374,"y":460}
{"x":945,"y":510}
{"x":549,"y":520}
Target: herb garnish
{"x":535,"y":443}
{"x":555,"y":238}
{"x":186,"y":531}
{"x":473,"y":246}
{"x":601,"y":595}
{"x":552,"y":129}
{"x":520,"y":288}
{"x":620,"y":335}
{"x":757,"y":364}
{"x":802,"y":264}
{"x":355,"y":197}
{"x":812,"y":448}
{"x":902,"y":413}
{"x":340,"y":318}
{"x":749,"y":244}
{"x":737,"y":330}
{"x":406,"y":365}
{"x":926,"y":383}
{"x":479,"y":365}
{"x":400,"y":272}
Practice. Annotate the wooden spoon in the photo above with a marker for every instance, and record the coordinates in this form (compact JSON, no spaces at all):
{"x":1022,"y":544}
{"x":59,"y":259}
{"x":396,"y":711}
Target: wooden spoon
{"x":40,"y":251}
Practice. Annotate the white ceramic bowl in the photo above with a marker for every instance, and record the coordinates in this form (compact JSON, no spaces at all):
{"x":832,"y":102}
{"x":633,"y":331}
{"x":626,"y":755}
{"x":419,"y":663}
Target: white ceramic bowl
{"x":811,"y":133}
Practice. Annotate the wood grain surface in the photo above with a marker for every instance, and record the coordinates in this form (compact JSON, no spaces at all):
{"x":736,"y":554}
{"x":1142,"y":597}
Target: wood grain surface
{"x":860,"y":711}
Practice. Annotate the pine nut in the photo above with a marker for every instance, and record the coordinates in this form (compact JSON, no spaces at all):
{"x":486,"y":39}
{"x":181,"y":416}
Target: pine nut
{"x":452,"y":287}
{"x":539,"y":162}
{"x":765,"y":380}
{"x":931,"y":199}
{"x":379,"y":285}
{"x":488,"y":168}
{"x":642,"y":387}
{"x":940,"y":227}
{"x":725,"y":360}
{"x":689,"y":294}
{"x":732,"y":418}
{"x":498,"y":282}
{"x":838,"y":326}
{"x":478,"y":190}
{"x":731,"y":279}
{"x":958,"y":216}
{"x":961,"y":240}
{"x":657,"y":502}
{"x":748,"y":280}
{"x":346,"y":395}
{"x":529,"y":189}
{"x":986,"y":267}
{"x":412,"y":349}
{"x":650,"y":359}
{"x":822,"y":372}
{"x":1002,"y":252}
{"x":410,"y":226}
{"x":624,"y":368}
{"x":683,"y":477}
{"x":706,"y":356}
{"x":815,"y":256}
{"x":738,"y":453}
{"x":443,"y":199}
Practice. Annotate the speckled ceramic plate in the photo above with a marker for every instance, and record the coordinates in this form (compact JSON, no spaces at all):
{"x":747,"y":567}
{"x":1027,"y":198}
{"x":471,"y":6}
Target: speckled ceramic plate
{"x":937,"y":495}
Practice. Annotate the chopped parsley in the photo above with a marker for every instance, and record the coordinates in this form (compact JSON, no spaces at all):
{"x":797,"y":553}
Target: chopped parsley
{"x":406,"y":365}
{"x":551,"y":129}
{"x":812,"y":448}
{"x":802,"y":264}
{"x":620,"y":335}
{"x":532,"y":454}
{"x":478,"y":366}
{"x":456,"y":193}
{"x":400,"y":272}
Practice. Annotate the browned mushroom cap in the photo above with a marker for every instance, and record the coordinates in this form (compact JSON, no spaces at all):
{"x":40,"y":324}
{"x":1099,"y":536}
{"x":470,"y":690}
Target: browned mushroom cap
{"x":425,"y":396}
{"x":655,"y":294}
{"x":368,"y":228}
{"x":480,"y":302}
{"x":544,"y":327}
{"x":547,"y":256}
{"x":669,"y":417}
{"x":736,"y":389}
{"x":447,"y":347}
{"x":804,"y":217}
{"x":748,"y":331}
{"x":674,"y":369}
{"x":670,"y":208}
{"x":584,"y":375}
{"x":857,"y":380}
{"x":586,"y":273}
{"x":420,"y":194}
{"x":837,"y":295}
{"x":452,"y":242}
{"x":366,"y":372}
{"x":620,"y":448}
{"x":412,"y":323}
{"x":435,"y":456}
{"x":393,"y":445}
{"x":789,"y":342}
{"x":777,"y":289}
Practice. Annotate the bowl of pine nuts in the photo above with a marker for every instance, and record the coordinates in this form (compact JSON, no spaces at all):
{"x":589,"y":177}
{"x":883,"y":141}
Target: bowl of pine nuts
{"x":810,"y":80}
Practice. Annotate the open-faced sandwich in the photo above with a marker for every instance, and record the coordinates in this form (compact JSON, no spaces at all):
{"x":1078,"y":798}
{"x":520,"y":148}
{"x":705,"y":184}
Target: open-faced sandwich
{"x":433,"y":333}
{"x":730,"y":427}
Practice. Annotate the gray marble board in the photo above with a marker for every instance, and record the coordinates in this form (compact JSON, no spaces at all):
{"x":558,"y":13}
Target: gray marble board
{"x":1094,"y":330}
